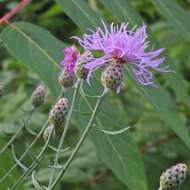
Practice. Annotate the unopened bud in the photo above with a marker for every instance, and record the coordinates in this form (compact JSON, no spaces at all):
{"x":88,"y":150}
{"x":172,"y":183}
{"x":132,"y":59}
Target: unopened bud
{"x":80,"y":70}
{"x":38,"y":96}
{"x":173,"y":177}
{"x":112,"y":77}
{"x":58,"y":112}
{"x":67,"y":79}
{"x":48,"y":131}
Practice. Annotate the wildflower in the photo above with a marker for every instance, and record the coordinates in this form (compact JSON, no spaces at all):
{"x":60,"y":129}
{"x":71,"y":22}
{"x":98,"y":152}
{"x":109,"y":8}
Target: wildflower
{"x":58,"y":113}
{"x":38,"y":96}
{"x":172,"y":178}
{"x":67,"y":76}
{"x":122,"y":46}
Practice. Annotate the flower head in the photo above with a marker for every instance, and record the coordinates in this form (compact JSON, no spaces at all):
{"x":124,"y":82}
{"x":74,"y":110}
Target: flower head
{"x":70,"y":58}
{"x":173,"y":177}
{"x":38,"y":96}
{"x":58,"y":113}
{"x":124,"y":45}
{"x":80,"y":70}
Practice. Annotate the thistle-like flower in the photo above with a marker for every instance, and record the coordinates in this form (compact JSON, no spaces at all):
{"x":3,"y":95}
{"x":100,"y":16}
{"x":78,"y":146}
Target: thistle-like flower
{"x":121,"y":46}
{"x":58,"y":112}
{"x":172,"y":178}
{"x":38,"y":96}
{"x":67,"y":77}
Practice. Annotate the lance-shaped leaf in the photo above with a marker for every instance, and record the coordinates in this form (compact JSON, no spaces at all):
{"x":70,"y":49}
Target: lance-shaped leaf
{"x":176,"y":15}
{"x":27,"y":44}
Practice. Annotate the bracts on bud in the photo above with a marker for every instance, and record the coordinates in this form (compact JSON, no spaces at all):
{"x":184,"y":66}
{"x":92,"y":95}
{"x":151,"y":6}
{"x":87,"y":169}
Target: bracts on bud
{"x":112,"y":77}
{"x":50,"y":130}
{"x":66,"y":79}
{"x":173,"y":177}
{"x":58,"y":112}
{"x":38,"y":96}
{"x":80,"y":70}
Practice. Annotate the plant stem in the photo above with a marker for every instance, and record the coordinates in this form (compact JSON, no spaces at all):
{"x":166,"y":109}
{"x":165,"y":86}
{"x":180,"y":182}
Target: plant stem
{"x":17,"y":132}
{"x":81,"y":140}
{"x":14,"y":11}
{"x":33,"y":164}
{"x":61,"y":143}
{"x":25,"y":153}
{"x":27,"y":150}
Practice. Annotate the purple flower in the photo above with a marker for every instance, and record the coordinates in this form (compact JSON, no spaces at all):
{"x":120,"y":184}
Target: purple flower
{"x":124,"y":45}
{"x":70,"y":58}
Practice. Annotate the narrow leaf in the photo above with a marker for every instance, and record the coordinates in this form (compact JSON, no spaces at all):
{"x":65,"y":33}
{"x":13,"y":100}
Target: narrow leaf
{"x":26,"y":43}
{"x":176,"y":15}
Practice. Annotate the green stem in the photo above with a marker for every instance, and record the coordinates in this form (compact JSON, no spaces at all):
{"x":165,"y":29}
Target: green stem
{"x":39,"y":157}
{"x":17,"y":132}
{"x":25,"y":153}
{"x":28,"y":149}
{"x":61,"y":143}
{"x":81,"y":140}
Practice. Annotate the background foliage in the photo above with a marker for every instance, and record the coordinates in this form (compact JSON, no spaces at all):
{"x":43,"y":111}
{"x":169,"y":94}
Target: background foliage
{"x":159,"y":117}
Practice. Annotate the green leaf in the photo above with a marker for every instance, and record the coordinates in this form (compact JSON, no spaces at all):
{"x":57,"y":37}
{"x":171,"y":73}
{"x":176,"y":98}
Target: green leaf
{"x":176,"y":15}
{"x":115,"y":145}
{"x":120,"y":152}
{"x":80,"y":10}
{"x":123,"y":156}
{"x":26,"y":43}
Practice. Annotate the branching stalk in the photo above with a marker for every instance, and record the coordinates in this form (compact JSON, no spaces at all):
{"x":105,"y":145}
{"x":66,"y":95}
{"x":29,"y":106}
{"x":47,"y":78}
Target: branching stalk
{"x":81,"y":140}
{"x":61,"y":143}
{"x":17,"y":132}
{"x":25,"y":153}
{"x":32,"y":166}
{"x":28,"y":149}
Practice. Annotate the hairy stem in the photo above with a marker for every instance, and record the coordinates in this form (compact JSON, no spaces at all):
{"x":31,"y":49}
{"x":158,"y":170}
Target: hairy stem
{"x":81,"y":140}
{"x":17,"y":132}
{"x":61,"y":143}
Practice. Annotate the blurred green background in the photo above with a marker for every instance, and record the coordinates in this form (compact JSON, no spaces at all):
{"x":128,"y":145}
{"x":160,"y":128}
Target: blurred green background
{"x":158,"y":145}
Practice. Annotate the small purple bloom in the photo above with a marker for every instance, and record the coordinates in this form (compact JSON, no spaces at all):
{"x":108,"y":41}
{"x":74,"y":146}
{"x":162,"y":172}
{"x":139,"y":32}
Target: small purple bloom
{"x":70,"y":58}
{"x":127,"y":46}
